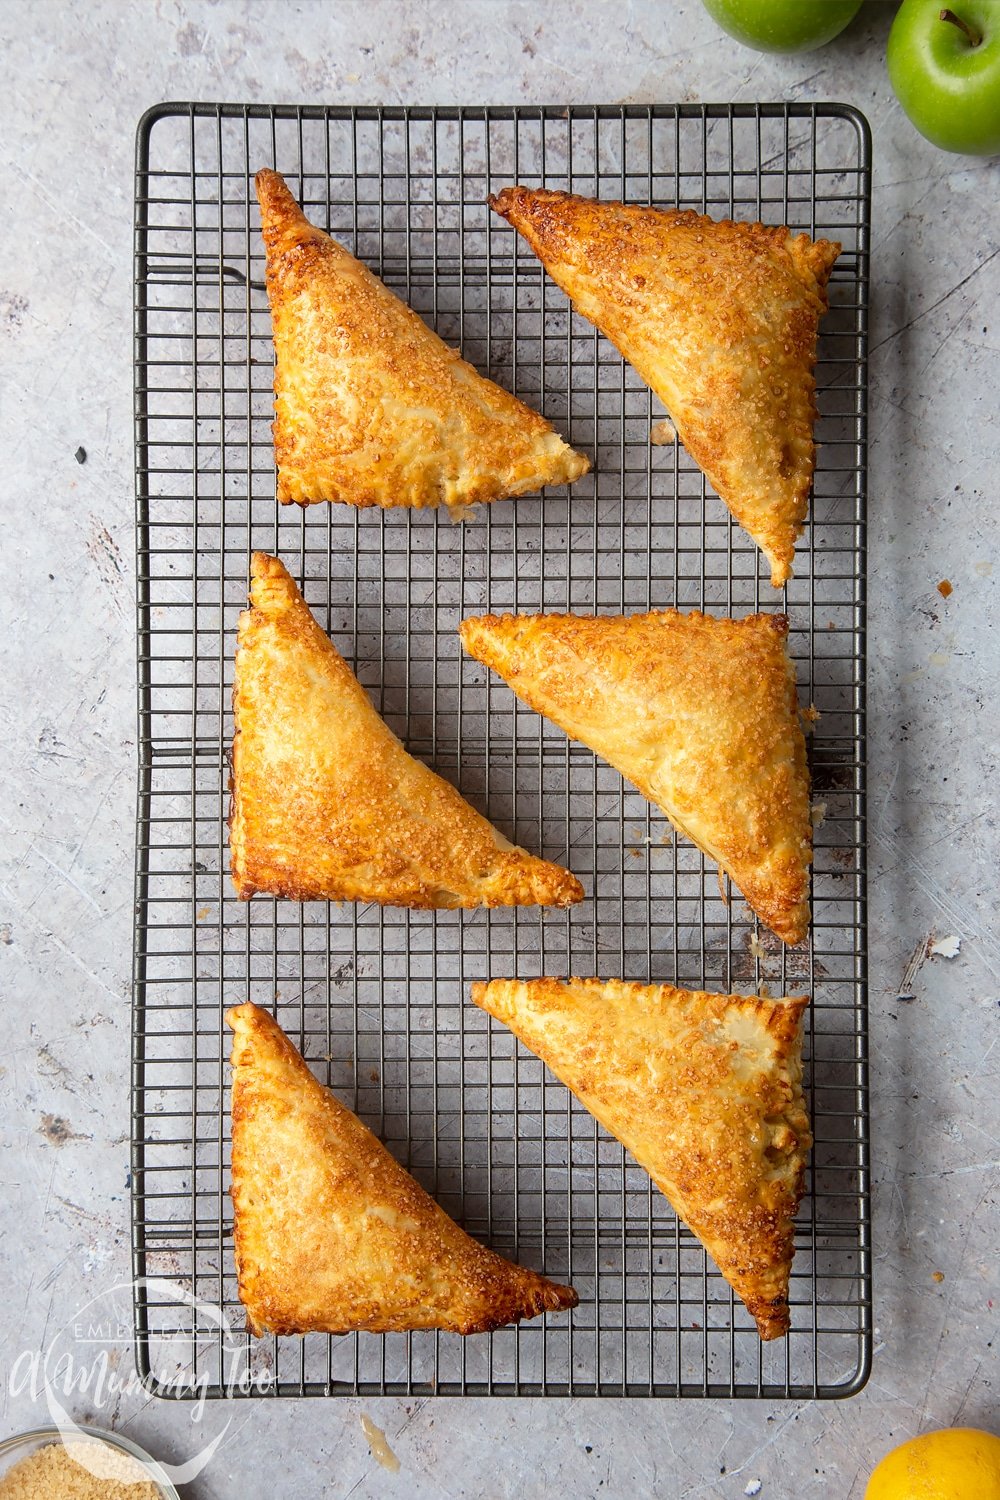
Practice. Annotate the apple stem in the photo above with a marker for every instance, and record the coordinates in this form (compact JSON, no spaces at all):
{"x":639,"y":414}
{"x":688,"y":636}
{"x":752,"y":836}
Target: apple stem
{"x":975,"y":37}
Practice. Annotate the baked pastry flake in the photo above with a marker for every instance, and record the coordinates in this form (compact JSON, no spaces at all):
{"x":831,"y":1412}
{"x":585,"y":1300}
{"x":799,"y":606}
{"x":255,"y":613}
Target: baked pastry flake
{"x":720,"y":319}
{"x":371,"y":407}
{"x":704,"y":1090}
{"x":327,"y":804}
{"x":700,"y":713}
{"x":331,"y":1234}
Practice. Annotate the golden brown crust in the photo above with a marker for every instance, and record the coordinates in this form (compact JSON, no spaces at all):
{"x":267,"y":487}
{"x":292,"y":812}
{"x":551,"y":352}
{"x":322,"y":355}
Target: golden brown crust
{"x":701,"y":714}
{"x":704,"y":1090}
{"x":331,"y":1234}
{"x":327,"y":805}
{"x":371,"y":407}
{"x":721,"y":319}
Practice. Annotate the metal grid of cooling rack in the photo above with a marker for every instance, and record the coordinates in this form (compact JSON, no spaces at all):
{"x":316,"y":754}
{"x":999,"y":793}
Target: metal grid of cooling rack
{"x":378,"y":999}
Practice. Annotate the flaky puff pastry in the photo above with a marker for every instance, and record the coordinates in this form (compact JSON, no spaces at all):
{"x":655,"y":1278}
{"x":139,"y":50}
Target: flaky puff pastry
{"x":704,"y":1090}
{"x":373,"y":408}
{"x":331,"y":1233}
{"x":721,"y":319}
{"x":701,"y":714}
{"x":326,"y":803}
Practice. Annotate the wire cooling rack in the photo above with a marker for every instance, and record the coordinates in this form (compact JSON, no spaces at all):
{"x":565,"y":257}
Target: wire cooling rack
{"x":377,"y":999}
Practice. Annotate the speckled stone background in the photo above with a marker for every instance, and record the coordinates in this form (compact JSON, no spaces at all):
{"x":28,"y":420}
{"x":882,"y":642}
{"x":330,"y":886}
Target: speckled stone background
{"x":74,"y":78}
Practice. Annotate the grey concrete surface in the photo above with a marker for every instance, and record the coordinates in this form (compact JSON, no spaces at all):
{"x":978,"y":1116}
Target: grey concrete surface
{"x":74,"y":79}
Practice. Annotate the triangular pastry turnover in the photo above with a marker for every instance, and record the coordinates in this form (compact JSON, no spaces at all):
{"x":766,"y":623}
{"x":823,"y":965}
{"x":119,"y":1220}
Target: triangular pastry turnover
{"x":371,"y":407}
{"x":331,"y":1233}
{"x":701,"y":714}
{"x":704,"y":1090}
{"x":327,"y":805}
{"x":720,"y":319}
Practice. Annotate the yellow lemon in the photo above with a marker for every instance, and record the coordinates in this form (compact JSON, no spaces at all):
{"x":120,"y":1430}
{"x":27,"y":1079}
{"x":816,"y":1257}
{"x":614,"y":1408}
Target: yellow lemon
{"x":958,"y":1463}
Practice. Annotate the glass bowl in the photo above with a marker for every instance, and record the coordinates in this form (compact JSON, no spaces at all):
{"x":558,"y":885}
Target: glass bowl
{"x":13,"y":1449}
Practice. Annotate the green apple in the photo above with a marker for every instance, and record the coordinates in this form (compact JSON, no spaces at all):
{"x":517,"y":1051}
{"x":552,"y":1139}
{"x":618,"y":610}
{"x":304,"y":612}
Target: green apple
{"x":783,"y":25}
{"x":945,"y":68}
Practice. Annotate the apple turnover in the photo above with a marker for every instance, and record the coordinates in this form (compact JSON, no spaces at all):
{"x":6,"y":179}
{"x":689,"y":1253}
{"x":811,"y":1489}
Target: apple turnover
{"x":701,"y":714}
{"x":327,"y":804}
{"x":721,"y":319}
{"x":371,"y":407}
{"x":705,"y":1091}
{"x":331,"y":1234}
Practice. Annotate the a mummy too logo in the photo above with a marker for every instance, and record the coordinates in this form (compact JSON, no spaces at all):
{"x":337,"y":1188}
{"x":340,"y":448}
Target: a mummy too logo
{"x":88,"y":1366}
